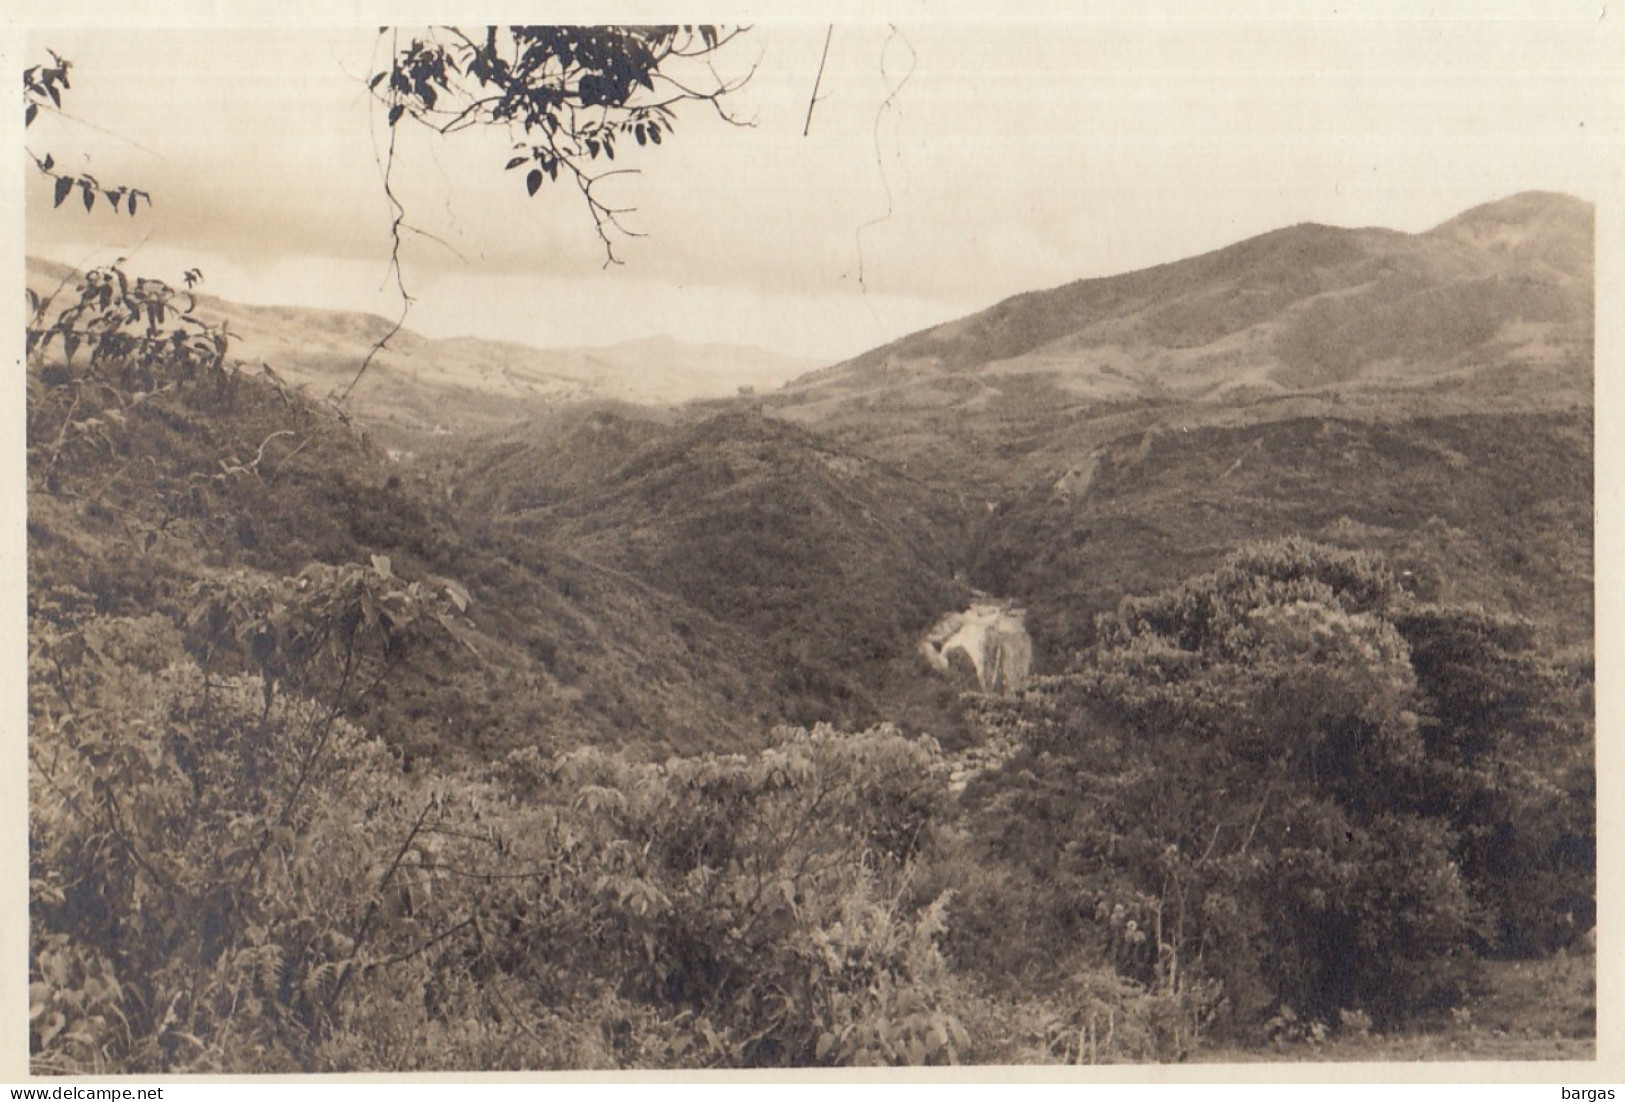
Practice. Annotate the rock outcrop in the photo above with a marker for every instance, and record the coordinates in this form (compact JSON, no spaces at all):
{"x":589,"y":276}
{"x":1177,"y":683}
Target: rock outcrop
{"x":991,"y":638}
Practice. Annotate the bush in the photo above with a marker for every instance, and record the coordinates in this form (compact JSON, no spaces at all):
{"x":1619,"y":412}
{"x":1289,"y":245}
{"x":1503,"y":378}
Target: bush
{"x":227,"y":878}
{"x":1277,"y":776}
{"x":196,"y":872}
{"x":760,"y":899}
{"x":1510,"y":754}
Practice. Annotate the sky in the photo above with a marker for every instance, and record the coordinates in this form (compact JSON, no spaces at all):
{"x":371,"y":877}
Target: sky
{"x":951,"y":160}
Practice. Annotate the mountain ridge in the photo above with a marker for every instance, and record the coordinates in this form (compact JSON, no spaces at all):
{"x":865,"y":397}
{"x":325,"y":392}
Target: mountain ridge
{"x":421,"y":384}
{"x":831,"y":522}
{"x":1492,"y":309}
{"x":1321,"y":244}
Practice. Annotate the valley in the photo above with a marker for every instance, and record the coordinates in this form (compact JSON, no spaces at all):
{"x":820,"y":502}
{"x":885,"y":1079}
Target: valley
{"x":924,"y":685}
{"x":999,"y":464}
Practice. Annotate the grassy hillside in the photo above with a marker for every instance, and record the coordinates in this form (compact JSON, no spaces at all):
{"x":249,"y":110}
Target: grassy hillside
{"x":1071,"y":447}
{"x":135,"y":504}
{"x":1494,"y":509}
{"x":1489,"y":312}
{"x":835,"y":563}
{"x":1531,"y":255}
{"x":418,"y":387}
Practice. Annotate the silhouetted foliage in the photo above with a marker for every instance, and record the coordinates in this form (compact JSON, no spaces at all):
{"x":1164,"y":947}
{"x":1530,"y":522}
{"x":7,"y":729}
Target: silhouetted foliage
{"x":43,"y":86}
{"x":567,"y":95}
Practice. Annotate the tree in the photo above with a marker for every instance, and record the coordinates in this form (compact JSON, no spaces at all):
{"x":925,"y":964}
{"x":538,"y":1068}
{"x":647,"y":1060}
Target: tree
{"x":43,"y":86}
{"x":565,"y":95}
{"x":1299,"y":780}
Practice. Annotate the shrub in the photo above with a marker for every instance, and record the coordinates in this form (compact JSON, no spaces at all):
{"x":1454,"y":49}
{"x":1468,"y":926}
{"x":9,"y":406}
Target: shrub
{"x":195,"y":871}
{"x":141,"y":332}
{"x":1276,"y":776}
{"x":759,"y":898}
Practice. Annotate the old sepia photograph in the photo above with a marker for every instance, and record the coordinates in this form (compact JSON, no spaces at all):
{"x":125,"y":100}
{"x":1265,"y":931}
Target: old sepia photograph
{"x":892,"y":541}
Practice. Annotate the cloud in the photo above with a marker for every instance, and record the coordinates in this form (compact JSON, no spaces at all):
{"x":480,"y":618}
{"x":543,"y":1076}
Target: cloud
{"x":951,"y":165}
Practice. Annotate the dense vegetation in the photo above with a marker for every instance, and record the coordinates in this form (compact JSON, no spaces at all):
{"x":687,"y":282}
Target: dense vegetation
{"x":1294,"y":780}
{"x":332,"y":769}
{"x":837,"y":566}
{"x":1467,"y":509}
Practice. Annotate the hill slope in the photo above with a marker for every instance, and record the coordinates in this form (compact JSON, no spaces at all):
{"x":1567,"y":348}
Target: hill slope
{"x":558,"y":651}
{"x":1063,"y":449}
{"x":1070,"y":447}
{"x":836,"y":563}
{"x":421,"y":384}
{"x":1493,"y":509}
{"x":1491,"y":310}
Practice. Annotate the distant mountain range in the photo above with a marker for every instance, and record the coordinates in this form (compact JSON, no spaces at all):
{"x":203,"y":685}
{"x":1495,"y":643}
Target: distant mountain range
{"x":1300,"y":308}
{"x":467,"y":382}
{"x":1304,"y":311}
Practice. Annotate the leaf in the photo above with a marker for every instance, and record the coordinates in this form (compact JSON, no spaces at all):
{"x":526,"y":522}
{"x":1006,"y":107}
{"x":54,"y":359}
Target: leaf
{"x":53,"y":1025}
{"x":31,"y":114}
{"x":533,"y":180}
{"x":63,"y":186}
{"x":132,"y":204}
{"x":48,"y":163}
{"x":90,"y":195}
{"x":915,"y":1051}
{"x":396,"y":112}
{"x":39,"y":999}
{"x":515,"y":163}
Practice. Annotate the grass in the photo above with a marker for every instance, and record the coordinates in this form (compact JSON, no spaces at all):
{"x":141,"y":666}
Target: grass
{"x":1524,"y":1010}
